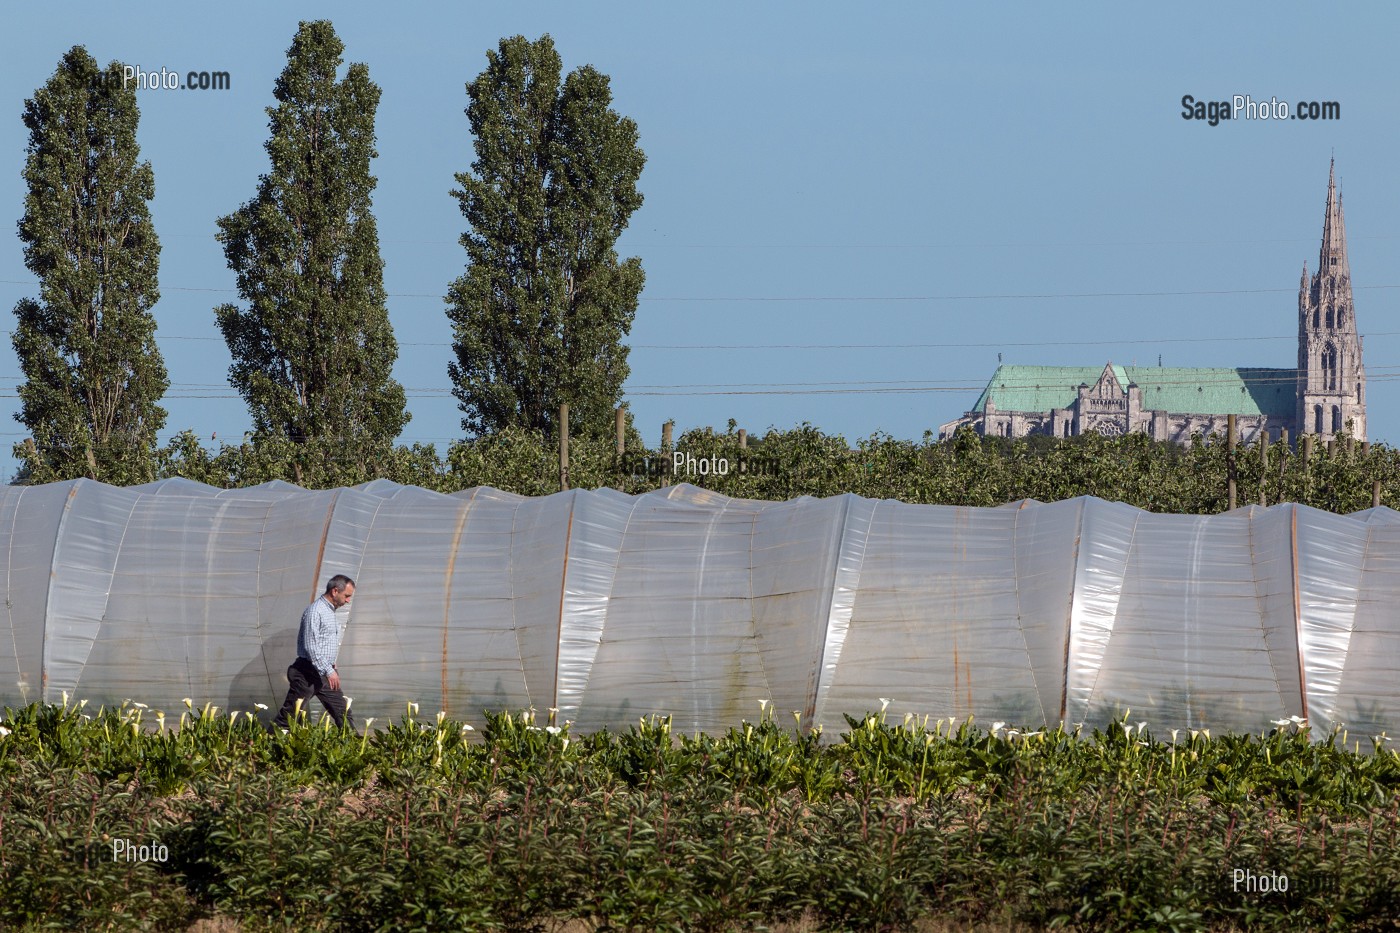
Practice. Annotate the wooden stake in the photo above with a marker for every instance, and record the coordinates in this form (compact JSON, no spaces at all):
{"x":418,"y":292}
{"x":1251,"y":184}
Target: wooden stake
{"x":666,"y":452}
{"x":621,"y":424}
{"x":1263,"y":466}
{"x":1230,"y":430}
{"x":563,"y":447}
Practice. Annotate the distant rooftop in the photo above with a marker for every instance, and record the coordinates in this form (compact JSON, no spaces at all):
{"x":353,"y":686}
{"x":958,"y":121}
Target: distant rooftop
{"x":1228,"y":391}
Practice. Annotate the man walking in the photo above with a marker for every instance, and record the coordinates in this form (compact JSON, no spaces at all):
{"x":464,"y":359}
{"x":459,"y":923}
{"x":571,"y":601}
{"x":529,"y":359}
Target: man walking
{"x":318,"y":643}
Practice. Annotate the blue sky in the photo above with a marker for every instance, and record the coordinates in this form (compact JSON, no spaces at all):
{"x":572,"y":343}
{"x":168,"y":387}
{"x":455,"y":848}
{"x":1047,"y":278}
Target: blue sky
{"x":840,"y":198}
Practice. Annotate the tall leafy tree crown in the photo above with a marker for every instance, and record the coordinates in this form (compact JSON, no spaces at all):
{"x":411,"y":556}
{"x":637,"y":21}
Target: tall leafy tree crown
{"x":93,"y":374}
{"x":313,"y":350}
{"x":540,"y":313}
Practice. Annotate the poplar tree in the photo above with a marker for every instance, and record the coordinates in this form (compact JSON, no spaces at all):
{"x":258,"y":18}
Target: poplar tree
{"x":313,"y":348}
{"x":540,"y":313}
{"x":93,"y":374}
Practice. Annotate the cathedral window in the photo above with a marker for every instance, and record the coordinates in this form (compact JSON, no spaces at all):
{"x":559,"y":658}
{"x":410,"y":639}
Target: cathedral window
{"x":1329,"y":368}
{"x":1336,"y":420}
{"x":1329,"y":318}
{"x":1317,"y":419}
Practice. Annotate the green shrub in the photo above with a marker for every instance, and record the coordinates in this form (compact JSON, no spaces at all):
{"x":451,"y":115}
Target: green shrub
{"x":426,"y":825}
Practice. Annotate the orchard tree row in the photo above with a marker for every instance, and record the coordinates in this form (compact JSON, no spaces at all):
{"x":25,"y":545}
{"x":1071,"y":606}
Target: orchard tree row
{"x":538,"y":316}
{"x":966,"y":470}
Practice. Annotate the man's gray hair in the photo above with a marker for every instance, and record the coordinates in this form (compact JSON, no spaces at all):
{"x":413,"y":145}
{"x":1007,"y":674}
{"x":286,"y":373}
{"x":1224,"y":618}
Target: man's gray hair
{"x":338,"y":583}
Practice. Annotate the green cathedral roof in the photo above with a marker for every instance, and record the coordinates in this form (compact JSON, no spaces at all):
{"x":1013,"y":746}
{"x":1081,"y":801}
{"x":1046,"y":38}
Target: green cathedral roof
{"x":1235,"y":391}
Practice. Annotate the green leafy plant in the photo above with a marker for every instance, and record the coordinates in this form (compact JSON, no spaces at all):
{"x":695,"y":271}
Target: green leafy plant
{"x":429,"y":823}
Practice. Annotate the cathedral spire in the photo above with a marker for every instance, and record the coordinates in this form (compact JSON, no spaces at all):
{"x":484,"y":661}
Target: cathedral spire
{"x":1332,"y":257}
{"x":1331,"y":377}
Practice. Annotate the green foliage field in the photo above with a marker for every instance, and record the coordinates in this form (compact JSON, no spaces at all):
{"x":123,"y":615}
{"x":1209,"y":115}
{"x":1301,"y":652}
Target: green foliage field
{"x":428,"y":824}
{"x":966,"y":470}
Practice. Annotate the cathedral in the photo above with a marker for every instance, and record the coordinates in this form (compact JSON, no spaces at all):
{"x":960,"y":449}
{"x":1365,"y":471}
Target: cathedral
{"x":1325,"y":395}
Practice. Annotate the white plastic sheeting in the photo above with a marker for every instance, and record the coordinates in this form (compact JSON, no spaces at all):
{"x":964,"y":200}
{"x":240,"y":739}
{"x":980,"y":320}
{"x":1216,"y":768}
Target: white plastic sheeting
{"x":683,"y":602}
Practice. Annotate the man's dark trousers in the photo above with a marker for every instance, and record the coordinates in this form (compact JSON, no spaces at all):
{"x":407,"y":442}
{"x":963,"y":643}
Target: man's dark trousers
{"x":304,"y":682}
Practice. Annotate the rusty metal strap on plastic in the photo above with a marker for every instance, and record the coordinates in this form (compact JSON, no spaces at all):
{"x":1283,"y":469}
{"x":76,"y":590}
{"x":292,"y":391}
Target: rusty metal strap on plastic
{"x":1298,"y":609}
{"x":321,"y":553}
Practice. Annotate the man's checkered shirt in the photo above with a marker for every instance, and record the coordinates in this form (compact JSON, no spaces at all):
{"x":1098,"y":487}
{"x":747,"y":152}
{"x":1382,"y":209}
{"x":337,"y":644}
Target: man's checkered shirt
{"x":319,"y":638}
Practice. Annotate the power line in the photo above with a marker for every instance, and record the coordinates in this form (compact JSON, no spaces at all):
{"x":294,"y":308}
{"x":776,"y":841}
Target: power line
{"x":1195,"y":376}
{"x":872,"y":299}
{"x":999,"y":297}
{"x":1284,"y":378}
{"x":961,"y":346}
{"x":885,"y":346}
{"x":214,"y":237}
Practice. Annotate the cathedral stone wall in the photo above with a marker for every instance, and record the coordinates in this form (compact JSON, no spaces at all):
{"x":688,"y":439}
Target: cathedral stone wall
{"x":1159,"y":425}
